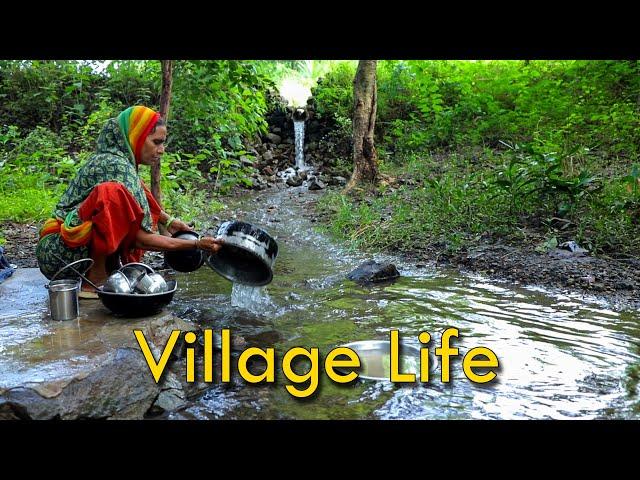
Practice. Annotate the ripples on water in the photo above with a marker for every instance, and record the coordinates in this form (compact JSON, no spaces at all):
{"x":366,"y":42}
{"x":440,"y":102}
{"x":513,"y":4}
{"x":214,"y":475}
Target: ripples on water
{"x":560,"y":356}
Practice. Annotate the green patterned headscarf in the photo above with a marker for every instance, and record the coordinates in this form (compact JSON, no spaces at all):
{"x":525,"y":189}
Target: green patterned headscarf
{"x":113,"y":161}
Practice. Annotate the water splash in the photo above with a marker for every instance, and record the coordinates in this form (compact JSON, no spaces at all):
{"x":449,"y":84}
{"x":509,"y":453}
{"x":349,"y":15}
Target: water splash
{"x":298,"y":126}
{"x":253,"y":299}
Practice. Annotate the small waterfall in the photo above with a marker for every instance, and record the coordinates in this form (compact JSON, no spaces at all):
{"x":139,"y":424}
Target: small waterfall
{"x":298,"y":126}
{"x":254,"y":299}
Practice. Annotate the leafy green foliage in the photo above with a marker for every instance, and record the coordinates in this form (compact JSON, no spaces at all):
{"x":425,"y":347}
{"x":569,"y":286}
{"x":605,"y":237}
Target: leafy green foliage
{"x":504,"y":147}
{"x":51,"y":113}
{"x":334,"y":94}
{"x":450,"y":104}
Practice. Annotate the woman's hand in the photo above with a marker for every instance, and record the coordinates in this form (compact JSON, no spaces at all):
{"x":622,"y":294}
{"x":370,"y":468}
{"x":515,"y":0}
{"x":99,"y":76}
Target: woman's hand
{"x":161,"y":243}
{"x":178,"y":225}
{"x":210,"y":244}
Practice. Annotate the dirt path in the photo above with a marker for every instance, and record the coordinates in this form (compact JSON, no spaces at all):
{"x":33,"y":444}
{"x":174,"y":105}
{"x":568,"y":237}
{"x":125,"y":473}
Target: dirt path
{"x":21,"y":240}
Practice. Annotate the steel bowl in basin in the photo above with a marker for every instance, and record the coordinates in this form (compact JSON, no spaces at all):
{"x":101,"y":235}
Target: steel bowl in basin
{"x":134,"y":271}
{"x":375,"y":358}
{"x":150,"y":284}
{"x":247,"y":255}
{"x":117,"y":283}
{"x":185,"y":260}
{"x":138,"y":305}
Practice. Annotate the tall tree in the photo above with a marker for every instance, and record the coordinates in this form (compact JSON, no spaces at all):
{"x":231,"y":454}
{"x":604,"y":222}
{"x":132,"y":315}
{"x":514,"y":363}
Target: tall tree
{"x":165,"y":100}
{"x":365,"y":163}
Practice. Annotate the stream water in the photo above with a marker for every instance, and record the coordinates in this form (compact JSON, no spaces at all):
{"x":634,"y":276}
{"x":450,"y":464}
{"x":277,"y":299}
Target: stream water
{"x":561,"y":355}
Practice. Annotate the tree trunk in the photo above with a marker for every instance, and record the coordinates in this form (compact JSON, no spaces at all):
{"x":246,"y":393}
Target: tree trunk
{"x":165,"y":99}
{"x":365,"y":165}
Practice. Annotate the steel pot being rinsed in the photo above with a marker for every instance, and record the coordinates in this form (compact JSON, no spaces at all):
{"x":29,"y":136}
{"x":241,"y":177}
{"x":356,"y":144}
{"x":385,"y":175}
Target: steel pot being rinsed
{"x":185,"y":260}
{"x":247,"y":256}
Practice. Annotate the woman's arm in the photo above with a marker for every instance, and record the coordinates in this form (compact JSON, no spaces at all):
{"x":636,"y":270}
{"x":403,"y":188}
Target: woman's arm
{"x":164,"y":216}
{"x":172,"y":224}
{"x":161,"y":243}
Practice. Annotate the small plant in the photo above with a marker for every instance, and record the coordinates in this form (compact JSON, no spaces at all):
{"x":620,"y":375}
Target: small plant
{"x":633,"y":377}
{"x":547,"y":245}
{"x":9,"y":137}
{"x":515,"y":181}
{"x":566,"y":191}
{"x":540,"y":178}
{"x":632,"y":182}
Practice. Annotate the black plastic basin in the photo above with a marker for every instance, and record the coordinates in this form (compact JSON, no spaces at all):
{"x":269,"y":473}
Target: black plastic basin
{"x":138,"y":305}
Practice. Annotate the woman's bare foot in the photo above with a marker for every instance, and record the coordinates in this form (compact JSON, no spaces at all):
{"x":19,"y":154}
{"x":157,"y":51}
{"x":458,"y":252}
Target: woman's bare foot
{"x":87,"y":287}
{"x":87,"y":291}
{"x":98,"y":277}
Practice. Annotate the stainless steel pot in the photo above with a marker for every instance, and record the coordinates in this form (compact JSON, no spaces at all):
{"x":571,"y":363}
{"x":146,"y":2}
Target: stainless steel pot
{"x":375,"y":358}
{"x":134,"y":271}
{"x":185,"y":260}
{"x":247,"y":255}
{"x":151,"y":283}
{"x":117,"y":283}
{"x":63,"y":299}
{"x":63,"y":294}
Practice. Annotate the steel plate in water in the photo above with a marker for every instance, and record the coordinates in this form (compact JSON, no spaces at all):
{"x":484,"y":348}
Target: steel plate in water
{"x":375,"y":359}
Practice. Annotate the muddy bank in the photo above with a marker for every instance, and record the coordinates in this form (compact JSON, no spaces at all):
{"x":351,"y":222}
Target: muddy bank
{"x":21,"y":240}
{"x":614,"y":281}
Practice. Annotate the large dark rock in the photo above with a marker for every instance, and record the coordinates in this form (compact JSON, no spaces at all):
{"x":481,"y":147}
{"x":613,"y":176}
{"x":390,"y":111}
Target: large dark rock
{"x":119,"y":388}
{"x":315,"y":183}
{"x":294,"y":181}
{"x":273,"y":138}
{"x":374,"y":272}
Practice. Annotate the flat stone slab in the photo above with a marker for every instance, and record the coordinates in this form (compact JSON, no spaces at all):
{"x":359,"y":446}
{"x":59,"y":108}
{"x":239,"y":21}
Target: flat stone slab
{"x":91,"y":367}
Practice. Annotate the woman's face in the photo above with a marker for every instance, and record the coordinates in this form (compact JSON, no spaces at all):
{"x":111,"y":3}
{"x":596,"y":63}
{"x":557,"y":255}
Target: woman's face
{"x":153,"y":147}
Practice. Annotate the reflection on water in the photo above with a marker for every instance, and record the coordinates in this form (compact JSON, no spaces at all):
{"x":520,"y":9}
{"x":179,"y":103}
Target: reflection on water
{"x":378,"y":365}
{"x":560,"y":356}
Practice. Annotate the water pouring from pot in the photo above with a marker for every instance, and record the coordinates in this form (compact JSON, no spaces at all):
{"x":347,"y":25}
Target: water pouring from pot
{"x":245,"y":255}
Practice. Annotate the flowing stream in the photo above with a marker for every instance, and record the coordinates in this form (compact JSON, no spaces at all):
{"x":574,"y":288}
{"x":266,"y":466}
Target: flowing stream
{"x":561,"y":355}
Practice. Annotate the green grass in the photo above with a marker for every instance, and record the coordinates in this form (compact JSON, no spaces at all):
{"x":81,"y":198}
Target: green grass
{"x":191,"y":206}
{"x":27,"y":205}
{"x":449,"y":204}
{"x":28,"y":198}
